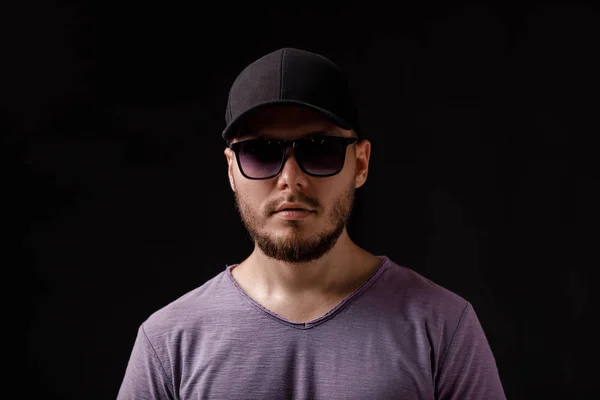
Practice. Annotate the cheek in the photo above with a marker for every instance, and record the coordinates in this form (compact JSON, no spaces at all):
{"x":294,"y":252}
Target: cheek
{"x":329,"y":191}
{"x":337,"y":191}
{"x":252,"y":193}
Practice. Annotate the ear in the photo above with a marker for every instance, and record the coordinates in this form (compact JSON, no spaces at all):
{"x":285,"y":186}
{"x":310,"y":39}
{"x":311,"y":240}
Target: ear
{"x":230,"y":156}
{"x":363,"y":154}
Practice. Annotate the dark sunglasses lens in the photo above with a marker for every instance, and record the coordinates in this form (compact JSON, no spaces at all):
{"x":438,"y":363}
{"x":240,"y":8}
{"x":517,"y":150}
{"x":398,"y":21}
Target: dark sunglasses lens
{"x":260,"y":158}
{"x":323,"y":156}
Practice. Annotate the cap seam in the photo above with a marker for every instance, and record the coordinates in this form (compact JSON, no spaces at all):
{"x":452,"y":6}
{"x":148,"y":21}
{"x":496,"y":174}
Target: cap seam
{"x":229,"y":106}
{"x":229,"y":113}
{"x":281,"y":75}
{"x":235,"y":81}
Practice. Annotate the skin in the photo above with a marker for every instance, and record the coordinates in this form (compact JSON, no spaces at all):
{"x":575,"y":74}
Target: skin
{"x":303,"y":265}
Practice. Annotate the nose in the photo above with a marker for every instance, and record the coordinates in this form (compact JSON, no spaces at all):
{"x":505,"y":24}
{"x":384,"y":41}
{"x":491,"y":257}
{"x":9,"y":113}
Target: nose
{"x":291,"y":174}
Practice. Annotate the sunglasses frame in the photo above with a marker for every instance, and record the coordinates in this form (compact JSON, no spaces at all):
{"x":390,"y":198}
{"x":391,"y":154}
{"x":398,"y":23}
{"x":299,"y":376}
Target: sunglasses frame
{"x":284,"y":144}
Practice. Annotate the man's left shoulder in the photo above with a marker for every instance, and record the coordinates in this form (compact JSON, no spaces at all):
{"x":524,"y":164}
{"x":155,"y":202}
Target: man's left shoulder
{"x":421,"y":294}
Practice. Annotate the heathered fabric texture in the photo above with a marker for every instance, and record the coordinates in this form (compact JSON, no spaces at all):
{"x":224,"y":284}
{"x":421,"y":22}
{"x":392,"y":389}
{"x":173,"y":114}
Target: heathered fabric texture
{"x":398,"y":336}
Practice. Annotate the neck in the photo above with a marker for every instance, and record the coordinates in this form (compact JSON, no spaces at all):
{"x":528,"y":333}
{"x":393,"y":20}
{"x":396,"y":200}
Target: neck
{"x":332,"y":275}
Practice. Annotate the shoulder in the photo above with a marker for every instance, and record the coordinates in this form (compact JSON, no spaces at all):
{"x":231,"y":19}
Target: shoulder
{"x":419,"y":296}
{"x":193,"y":309}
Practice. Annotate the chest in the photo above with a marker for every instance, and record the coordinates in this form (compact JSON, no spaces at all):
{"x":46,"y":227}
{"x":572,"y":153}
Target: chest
{"x":344,"y":363}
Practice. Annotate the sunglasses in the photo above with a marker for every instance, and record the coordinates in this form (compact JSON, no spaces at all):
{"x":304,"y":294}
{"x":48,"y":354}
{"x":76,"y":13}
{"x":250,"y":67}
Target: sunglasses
{"x":316,"y":155}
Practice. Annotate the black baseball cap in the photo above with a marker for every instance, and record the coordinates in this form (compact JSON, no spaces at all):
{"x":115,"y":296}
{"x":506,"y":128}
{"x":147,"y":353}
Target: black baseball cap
{"x":291,"y":76}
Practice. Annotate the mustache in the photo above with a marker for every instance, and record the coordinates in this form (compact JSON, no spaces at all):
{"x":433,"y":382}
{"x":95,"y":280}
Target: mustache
{"x":298,"y":198}
{"x":272,"y":205}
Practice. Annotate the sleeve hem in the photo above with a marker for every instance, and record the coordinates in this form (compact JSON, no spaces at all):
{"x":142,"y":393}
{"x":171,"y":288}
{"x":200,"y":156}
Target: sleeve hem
{"x":170,"y":381}
{"x":458,"y":327}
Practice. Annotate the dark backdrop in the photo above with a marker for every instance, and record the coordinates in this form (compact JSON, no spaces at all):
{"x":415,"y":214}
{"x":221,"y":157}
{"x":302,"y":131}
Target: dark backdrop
{"x":484,"y":126}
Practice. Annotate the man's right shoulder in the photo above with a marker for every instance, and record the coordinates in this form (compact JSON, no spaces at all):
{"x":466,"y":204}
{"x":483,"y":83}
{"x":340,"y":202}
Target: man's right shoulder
{"x":193,"y":309}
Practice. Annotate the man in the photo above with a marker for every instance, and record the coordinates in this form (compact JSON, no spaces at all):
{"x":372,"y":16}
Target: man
{"x":309,"y":314}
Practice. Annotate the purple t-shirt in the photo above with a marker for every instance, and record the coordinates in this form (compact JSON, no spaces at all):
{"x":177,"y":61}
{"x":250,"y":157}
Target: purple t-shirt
{"x":398,"y":336}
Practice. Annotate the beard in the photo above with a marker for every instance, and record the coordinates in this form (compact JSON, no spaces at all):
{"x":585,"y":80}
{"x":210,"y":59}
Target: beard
{"x":297,"y":246}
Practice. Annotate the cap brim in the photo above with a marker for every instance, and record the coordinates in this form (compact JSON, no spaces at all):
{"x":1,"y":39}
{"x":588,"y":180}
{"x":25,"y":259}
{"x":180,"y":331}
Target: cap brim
{"x":229,"y":131}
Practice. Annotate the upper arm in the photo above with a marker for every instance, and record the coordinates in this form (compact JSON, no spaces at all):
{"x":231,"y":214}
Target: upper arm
{"x":145,"y":377}
{"x":467,"y":368}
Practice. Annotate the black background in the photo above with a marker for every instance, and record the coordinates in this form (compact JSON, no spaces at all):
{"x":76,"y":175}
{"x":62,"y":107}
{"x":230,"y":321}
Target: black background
{"x":484,"y":126}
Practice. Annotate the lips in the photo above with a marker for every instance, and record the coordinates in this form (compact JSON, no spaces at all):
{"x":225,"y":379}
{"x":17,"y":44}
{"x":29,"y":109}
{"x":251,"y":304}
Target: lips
{"x":292,"y":210}
{"x":294,"y":213}
{"x":292,"y":207}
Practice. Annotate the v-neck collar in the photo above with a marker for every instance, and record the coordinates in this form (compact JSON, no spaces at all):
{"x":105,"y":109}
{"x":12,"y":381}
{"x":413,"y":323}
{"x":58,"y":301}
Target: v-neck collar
{"x":306,"y":325}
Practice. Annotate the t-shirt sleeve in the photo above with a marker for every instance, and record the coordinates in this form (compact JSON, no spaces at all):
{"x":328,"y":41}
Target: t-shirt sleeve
{"x":468,"y":369}
{"x":145,"y":378}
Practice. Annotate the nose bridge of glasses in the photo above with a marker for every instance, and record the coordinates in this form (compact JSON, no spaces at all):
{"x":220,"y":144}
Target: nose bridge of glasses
{"x":289,"y":150}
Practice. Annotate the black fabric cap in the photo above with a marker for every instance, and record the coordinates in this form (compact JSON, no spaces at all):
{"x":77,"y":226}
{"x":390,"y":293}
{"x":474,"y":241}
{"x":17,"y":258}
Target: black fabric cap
{"x":295,"y":77}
